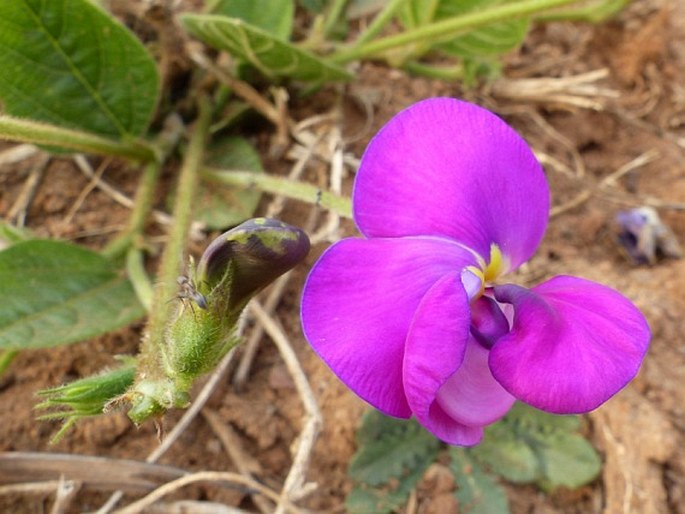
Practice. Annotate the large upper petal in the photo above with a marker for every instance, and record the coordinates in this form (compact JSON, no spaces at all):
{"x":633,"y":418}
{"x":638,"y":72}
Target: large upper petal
{"x":449,"y":168}
{"x":358,"y":302}
{"x":573,"y":344}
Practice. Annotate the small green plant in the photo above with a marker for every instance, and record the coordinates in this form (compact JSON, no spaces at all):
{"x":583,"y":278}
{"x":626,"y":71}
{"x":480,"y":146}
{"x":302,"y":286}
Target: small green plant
{"x":76,"y":80}
{"x":526,"y":447}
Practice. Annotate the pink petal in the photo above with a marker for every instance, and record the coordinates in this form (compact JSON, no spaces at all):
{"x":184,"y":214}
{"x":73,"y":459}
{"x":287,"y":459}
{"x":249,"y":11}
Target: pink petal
{"x":573,"y":344}
{"x":440,"y":356}
{"x":449,"y":168}
{"x":442,"y":426}
{"x":357,"y":305}
{"x":472,"y":396}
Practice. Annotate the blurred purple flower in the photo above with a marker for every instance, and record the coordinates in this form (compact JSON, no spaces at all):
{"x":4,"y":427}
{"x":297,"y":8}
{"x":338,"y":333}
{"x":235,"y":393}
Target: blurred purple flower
{"x":449,"y":198}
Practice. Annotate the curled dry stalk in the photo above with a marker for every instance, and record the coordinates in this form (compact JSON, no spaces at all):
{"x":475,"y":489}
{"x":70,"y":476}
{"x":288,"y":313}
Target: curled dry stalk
{"x":204,"y":476}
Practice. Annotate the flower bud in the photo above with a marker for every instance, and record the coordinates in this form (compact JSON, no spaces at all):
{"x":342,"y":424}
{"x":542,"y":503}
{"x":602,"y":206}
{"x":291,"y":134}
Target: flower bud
{"x":244,"y":260}
{"x":235,"y":266}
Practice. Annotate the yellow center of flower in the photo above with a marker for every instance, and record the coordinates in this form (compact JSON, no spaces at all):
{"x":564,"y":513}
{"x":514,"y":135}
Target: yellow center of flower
{"x":488,"y":272}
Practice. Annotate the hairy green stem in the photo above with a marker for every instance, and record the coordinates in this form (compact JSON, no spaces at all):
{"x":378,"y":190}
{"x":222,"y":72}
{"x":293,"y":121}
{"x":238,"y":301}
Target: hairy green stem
{"x":135,"y":268}
{"x":379,"y":21}
{"x":446,"y":28}
{"x":333,"y":15}
{"x":6,"y":358}
{"x":172,"y":259}
{"x":143,"y":203}
{"x":594,"y":13}
{"x":435,"y":72}
{"x":38,"y":133}
{"x":289,"y":188}
{"x":141,"y":208}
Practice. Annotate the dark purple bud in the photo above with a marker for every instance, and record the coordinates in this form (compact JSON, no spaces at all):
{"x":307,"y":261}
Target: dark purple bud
{"x":244,"y":260}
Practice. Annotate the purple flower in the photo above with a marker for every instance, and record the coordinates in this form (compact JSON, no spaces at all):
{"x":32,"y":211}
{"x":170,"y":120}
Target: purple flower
{"x":411,"y":317}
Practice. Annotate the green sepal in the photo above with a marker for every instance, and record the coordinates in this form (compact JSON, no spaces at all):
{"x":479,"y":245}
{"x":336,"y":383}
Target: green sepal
{"x":197,"y":340}
{"x":86,"y":397}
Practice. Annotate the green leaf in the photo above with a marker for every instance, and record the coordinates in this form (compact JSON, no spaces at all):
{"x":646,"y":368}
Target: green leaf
{"x":221,"y":206}
{"x":392,"y":456}
{"x":271,"y":56}
{"x":506,"y":455}
{"x":569,"y":460}
{"x":57,"y":293}
{"x":388,"y":447}
{"x":272,"y":16}
{"x":477,"y":492}
{"x":68,"y":63}
{"x":529,"y":445}
{"x":364,"y":500}
{"x":493,"y":39}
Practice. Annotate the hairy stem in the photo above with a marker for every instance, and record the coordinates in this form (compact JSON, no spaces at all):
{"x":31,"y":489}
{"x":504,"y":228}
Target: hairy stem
{"x":333,"y":15}
{"x":170,"y":267}
{"x":282,"y":186}
{"x":38,"y":133}
{"x":379,"y":21}
{"x":144,"y":199}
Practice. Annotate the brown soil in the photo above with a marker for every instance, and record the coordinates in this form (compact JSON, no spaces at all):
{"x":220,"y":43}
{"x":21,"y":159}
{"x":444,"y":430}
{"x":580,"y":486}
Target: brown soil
{"x":639,"y":433}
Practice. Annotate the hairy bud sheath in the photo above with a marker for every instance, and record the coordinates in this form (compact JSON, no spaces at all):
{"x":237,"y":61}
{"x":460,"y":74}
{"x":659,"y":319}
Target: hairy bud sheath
{"x":234,"y":267}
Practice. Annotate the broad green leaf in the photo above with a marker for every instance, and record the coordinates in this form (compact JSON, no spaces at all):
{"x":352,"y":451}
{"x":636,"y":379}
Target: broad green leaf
{"x":494,"y":39}
{"x":569,"y":460}
{"x":477,"y":48}
{"x":68,"y":63}
{"x":509,"y":458}
{"x":221,"y":206}
{"x":56,"y":293}
{"x":272,"y":16}
{"x":388,"y":447}
{"x":271,"y":56}
{"x":364,"y":500}
{"x":477,"y":492}
{"x":529,"y":445}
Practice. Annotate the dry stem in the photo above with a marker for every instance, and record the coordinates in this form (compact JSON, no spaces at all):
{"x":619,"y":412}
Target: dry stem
{"x":204,"y":476}
{"x":294,"y":487}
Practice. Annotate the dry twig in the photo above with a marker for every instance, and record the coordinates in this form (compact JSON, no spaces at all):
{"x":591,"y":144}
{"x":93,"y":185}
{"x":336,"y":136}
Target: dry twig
{"x":247,"y":466}
{"x":204,"y":476}
{"x":577,"y":91}
{"x":92,"y":184}
{"x":294,"y":487}
{"x":65,"y":494}
{"x":17,"y":154}
{"x":20,"y":208}
{"x":116,"y":195}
